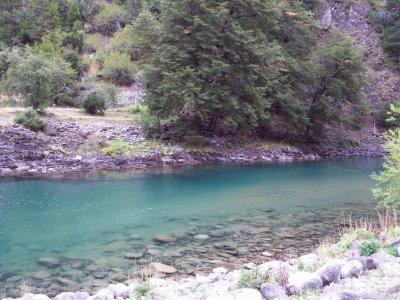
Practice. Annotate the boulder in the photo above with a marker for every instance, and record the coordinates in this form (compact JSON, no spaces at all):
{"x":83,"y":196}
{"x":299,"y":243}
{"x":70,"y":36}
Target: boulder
{"x":201,"y":237}
{"x":119,"y":290}
{"x":103,"y":294}
{"x":162,"y":268}
{"x":271,"y":291}
{"x":35,"y":297}
{"x":334,"y":292}
{"x":368,"y":263}
{"x":308,"y":259}
{"x":330,"y":272}
{"x":303,"y":281}
{"x":48,"y":262}
{"x":65,"y":281}
{"x":72,"y":296}
{"x":220,"y":270}
{"x":351,"y":269}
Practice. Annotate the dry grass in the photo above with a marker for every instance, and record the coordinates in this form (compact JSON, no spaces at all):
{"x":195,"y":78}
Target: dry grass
{"x":112,"y":116}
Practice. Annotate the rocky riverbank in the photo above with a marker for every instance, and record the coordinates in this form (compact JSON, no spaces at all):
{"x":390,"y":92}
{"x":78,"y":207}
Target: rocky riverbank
{"x":66,"y":147}
{"x":347,"y":270}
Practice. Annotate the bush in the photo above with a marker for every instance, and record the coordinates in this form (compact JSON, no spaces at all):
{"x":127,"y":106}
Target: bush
{"x":30,"y":120}
{"x":252,"y":279}
{"x":110,"y":19}
{"x":92,"y":43}
{"x":143,"y":290}
{"x":391,"y":251}
{"x":388,"y":115}
{"x":94,"y":103}
{"x":118,"y":68}
{"x":369,"y":247}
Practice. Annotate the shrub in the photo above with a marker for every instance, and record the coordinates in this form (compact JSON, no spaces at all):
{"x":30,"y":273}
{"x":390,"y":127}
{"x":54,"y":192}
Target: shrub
{"x":252,"y":279}
{"x":92,"y":43}
{"x":143,"y":290}
{"x":118,"y":68}
{"x":369,"y":247}
{"x":94,"y":103}
{"x":30,"y":120}
{"x":110,"y":19}
{"x":391,"y":251}
{"x":388,"y":114}
{"x":348,"y":143}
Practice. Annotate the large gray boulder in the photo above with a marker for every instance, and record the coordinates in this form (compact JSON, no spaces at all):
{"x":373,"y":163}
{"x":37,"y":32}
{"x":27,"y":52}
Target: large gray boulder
{"x":330,"y":272}
{"x":351,"y":269}
{"x":303,"y":281}
{"x":271,"y":291}
{"x":368,"y":263}
{"x":72,"y":296}
{"x":336,"y":293}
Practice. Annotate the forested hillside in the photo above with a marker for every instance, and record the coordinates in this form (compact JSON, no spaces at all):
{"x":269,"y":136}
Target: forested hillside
{"x":248,"y":67}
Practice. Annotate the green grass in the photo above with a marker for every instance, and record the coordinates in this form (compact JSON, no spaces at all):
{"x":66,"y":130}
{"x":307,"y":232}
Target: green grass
{"x":252,"y":279}
{"x":122,"y":148}
{"x":143,"y":290}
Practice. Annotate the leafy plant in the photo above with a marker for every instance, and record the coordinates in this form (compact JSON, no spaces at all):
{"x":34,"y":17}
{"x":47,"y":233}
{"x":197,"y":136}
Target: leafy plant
{"x":252,"y":279}
{"x":143,"y":290}
{"x":94,"y":103}
{"x":391,"y":251}
{"x":347,"y":143}
{"x":118,"y":68}
{"x":30,"y":120}
{"x":110,"y":19}
{"x":388,"y":180}
{"x":369,"y":247}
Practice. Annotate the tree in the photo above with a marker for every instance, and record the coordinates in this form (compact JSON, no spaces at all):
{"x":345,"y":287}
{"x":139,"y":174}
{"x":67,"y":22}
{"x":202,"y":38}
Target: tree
{"x":338,"y":77}
{"x":110,"y":19}
{"x":215,"y":64}
{"x":119,"y":68}
{"x":388,"y":181}
{"x":31,"y":77}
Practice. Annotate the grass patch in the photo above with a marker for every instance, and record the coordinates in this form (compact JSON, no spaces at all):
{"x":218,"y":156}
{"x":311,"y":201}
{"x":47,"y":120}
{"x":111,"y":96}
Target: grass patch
{"x":122,"y":148}
{"x":252,"y":279}
{"x":143,"y":291}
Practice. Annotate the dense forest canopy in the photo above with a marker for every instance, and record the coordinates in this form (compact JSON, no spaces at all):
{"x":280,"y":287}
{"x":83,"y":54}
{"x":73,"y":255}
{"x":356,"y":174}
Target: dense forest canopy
{"x":218,"y":67}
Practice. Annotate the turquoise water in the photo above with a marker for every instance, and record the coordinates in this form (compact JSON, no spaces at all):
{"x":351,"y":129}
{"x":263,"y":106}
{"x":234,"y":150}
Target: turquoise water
{"x":98,"y":217}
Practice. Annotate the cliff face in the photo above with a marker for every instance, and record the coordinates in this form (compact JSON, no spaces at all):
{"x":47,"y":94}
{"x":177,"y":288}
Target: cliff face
{"x":382,"y":83}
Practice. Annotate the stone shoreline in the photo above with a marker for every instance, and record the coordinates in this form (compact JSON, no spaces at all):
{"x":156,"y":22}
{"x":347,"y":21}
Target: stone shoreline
{"x":66,"y":148}
{"x":349,"y":276}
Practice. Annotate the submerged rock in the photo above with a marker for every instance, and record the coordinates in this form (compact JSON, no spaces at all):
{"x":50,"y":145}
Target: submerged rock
{"x":41,"y":275}
{"x":49,"y":262}
{"x":164,"y":239}
{"x":162,"y":268}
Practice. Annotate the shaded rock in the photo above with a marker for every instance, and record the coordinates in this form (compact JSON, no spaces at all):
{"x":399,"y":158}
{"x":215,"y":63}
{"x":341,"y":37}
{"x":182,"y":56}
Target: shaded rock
{"x":35,"y":297}
{"x":304,"y":281}
{"x":330,"y":272}
{"x":308,"y":259}
{"x":103,"y":294}
{"x":48,"y":262}
{"x":351,"y":269}
{"x":368,"y":263}
{"x":162,"y":268}
{"x":271,"y":291}
{"x":164,"y":239}
{"x":336,"y":293}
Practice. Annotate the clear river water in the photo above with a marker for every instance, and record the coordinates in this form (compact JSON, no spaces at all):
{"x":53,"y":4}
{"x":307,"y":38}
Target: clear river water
{"x":211,"y":215}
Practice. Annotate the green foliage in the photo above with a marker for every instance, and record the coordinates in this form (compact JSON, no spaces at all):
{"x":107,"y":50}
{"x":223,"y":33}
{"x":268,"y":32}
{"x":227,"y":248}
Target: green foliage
{"x":369,"y":247}
{"x":356,"y":234}
{"x":118,"y":68}
{"x":391,"y":30}
{"x":116,"y":148}
{"x":94,"y":104}
{"x":214,"y":64}
{"x":110,"y":19}
{"x":388,"y":114}
{"x":339,"y":77}
{"x":31,"y":77}
{"x":92,"y":42}
{"x":388,"y":180}
{"x":391,"y":251}
{"x":252,"y":279}
{"x":141,"y":291}
{"x":30,"y":120}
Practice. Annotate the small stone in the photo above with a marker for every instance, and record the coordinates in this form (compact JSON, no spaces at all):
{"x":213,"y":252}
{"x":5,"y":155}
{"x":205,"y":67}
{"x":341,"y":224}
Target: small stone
{"x":330,"y":272}
{"x":48,"y":262}
{"x":78,"y":158}
{"x":220,"y":270}
{"x":162,"y":268}
{"x":133,"y":255}
{"x":201,"y":237}
{"x":246,"y":294}
{"x":271,"y":291}
{"x":154,"y":252}
{"x":119,"y":290}
{"x":265,"y":253}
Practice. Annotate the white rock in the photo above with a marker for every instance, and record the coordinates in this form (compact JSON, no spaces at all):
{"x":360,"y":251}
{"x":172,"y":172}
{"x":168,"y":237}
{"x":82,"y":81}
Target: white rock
{"x":304,"y":281}
{"x":103,"y":294}
{"x":201,"y":237}
{"x":157,"y":281}
{"x":308,"y":259}
{"x":35,"y":297}
{"x":220,"y":270}
{"x":246,"y":294}
{"x":78,"y":157}
{"x":351,"y":269}
{"x":119,"y":290}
